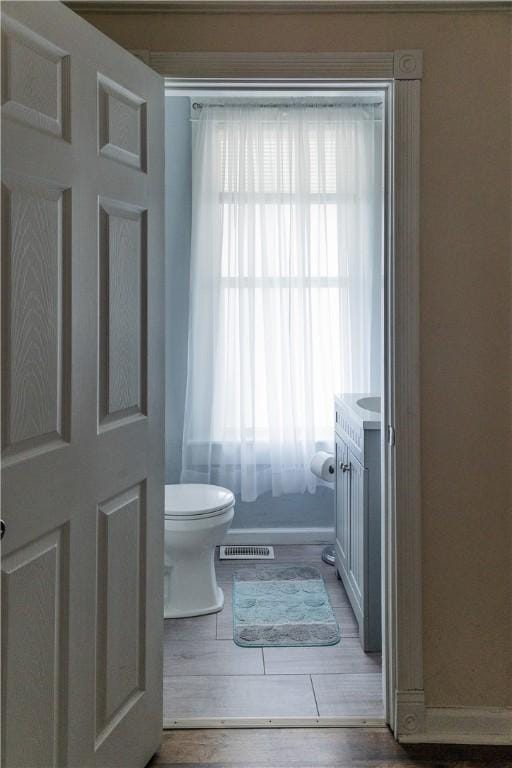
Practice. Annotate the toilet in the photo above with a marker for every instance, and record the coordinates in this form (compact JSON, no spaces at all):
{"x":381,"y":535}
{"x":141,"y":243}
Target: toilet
{"x":197,"y":518}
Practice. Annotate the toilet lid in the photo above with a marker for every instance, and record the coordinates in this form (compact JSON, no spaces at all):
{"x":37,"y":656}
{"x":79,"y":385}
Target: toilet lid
{"x":193,"y":499}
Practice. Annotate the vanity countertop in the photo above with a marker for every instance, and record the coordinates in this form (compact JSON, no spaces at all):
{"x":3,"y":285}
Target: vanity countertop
{"x":367,"y":419}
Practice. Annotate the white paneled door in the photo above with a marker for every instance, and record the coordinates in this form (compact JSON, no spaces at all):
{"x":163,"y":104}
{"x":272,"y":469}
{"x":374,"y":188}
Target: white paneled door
{"x":82,"y":395}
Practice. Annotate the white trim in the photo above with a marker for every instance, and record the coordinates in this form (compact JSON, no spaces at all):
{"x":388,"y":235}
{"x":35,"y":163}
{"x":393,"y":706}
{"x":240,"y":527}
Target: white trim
{"x":215,"y":64}
{"x":292,"y":6}
{"x":409,"y":713}
{"x":406,"y":586}
{"x":462,"y":725}
{"x":185,"y":65}
{"x":279,"y":536}
{"x":388,"y":418}
{"x":408,"y":65}
{"x":199,"y":87}
{"x":274,"y":722}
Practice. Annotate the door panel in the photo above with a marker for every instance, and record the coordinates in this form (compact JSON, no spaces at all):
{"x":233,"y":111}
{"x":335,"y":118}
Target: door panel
{"x":120,"y":623}
{"x":123,"y":315}
{"x":34,"y":651}
{"x":82,"y":395}
{"x":122,"y":130}
{"x":36,"y":86}
{"x":35,"y":328}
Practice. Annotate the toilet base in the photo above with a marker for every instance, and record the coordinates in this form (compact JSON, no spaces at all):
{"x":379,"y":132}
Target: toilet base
{"x":219,"y":605}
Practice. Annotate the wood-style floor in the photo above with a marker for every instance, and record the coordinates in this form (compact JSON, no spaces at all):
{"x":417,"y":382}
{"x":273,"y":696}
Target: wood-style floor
{"x":207,"y":676}
{"x":315,"y":748}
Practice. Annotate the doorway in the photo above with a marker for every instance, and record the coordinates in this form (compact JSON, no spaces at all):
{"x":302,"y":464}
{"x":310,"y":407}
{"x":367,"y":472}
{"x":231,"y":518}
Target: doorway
{"x":210,"y":681}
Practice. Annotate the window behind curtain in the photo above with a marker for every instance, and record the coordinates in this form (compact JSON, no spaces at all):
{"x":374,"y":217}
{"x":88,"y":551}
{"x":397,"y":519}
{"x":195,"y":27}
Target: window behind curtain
{"x":286,"y":247}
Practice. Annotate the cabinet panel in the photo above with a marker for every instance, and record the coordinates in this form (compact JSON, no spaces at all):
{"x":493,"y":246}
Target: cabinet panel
{"x":358,"y":518}
{"x":342,"y":503}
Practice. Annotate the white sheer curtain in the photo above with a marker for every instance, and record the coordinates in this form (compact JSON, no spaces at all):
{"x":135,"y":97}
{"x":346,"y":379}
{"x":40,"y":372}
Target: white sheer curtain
{"x":285,"y":297}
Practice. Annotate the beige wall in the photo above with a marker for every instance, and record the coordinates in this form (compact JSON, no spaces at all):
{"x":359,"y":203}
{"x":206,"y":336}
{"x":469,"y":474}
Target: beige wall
{"x":465,"y":308}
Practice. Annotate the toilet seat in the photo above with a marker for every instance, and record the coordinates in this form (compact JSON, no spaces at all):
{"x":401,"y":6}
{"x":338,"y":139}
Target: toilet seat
{"x":189,"y":518}
{"x":196,"y":501}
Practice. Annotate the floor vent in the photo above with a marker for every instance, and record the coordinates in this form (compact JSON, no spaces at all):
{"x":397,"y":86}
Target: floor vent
{"x":239,"y":552}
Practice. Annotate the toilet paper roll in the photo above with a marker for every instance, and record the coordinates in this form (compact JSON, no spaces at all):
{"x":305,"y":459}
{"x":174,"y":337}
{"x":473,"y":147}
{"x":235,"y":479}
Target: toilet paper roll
{"x":322,"y":465}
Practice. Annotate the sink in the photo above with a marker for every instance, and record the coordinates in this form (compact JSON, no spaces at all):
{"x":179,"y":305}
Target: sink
{"x":369,"y":404}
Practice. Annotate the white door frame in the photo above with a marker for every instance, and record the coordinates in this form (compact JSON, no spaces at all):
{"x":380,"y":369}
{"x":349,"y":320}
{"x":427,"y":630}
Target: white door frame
{"x":399,"y":74}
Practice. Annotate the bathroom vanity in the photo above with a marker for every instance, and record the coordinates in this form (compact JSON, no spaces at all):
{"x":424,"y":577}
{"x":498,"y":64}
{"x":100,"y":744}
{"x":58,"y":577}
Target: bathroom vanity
{"x":358,"y":510}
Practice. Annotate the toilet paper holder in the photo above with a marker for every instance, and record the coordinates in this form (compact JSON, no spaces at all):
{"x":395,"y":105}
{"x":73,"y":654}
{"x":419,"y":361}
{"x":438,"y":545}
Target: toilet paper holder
{"x":323,"y":466}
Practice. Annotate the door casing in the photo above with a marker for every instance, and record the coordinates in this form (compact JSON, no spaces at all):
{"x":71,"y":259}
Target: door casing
{"x":398,"y":75}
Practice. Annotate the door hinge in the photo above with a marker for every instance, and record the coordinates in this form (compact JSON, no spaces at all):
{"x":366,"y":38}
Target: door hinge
{"x":391,"y":435}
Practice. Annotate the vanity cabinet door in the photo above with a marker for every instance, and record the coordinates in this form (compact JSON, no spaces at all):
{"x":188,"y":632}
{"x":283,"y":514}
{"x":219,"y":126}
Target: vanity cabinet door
{"x":358,"y":523}
{"x":342,"y":504}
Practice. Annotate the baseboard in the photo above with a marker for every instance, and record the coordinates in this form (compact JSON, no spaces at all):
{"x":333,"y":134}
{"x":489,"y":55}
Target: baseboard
{"x":280,"y":536}
{"x":420,"y":724}
{"x":274,"y":722}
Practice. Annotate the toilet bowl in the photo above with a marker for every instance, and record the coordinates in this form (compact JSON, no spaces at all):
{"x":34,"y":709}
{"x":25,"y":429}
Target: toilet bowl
{"x":197,"y":518}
